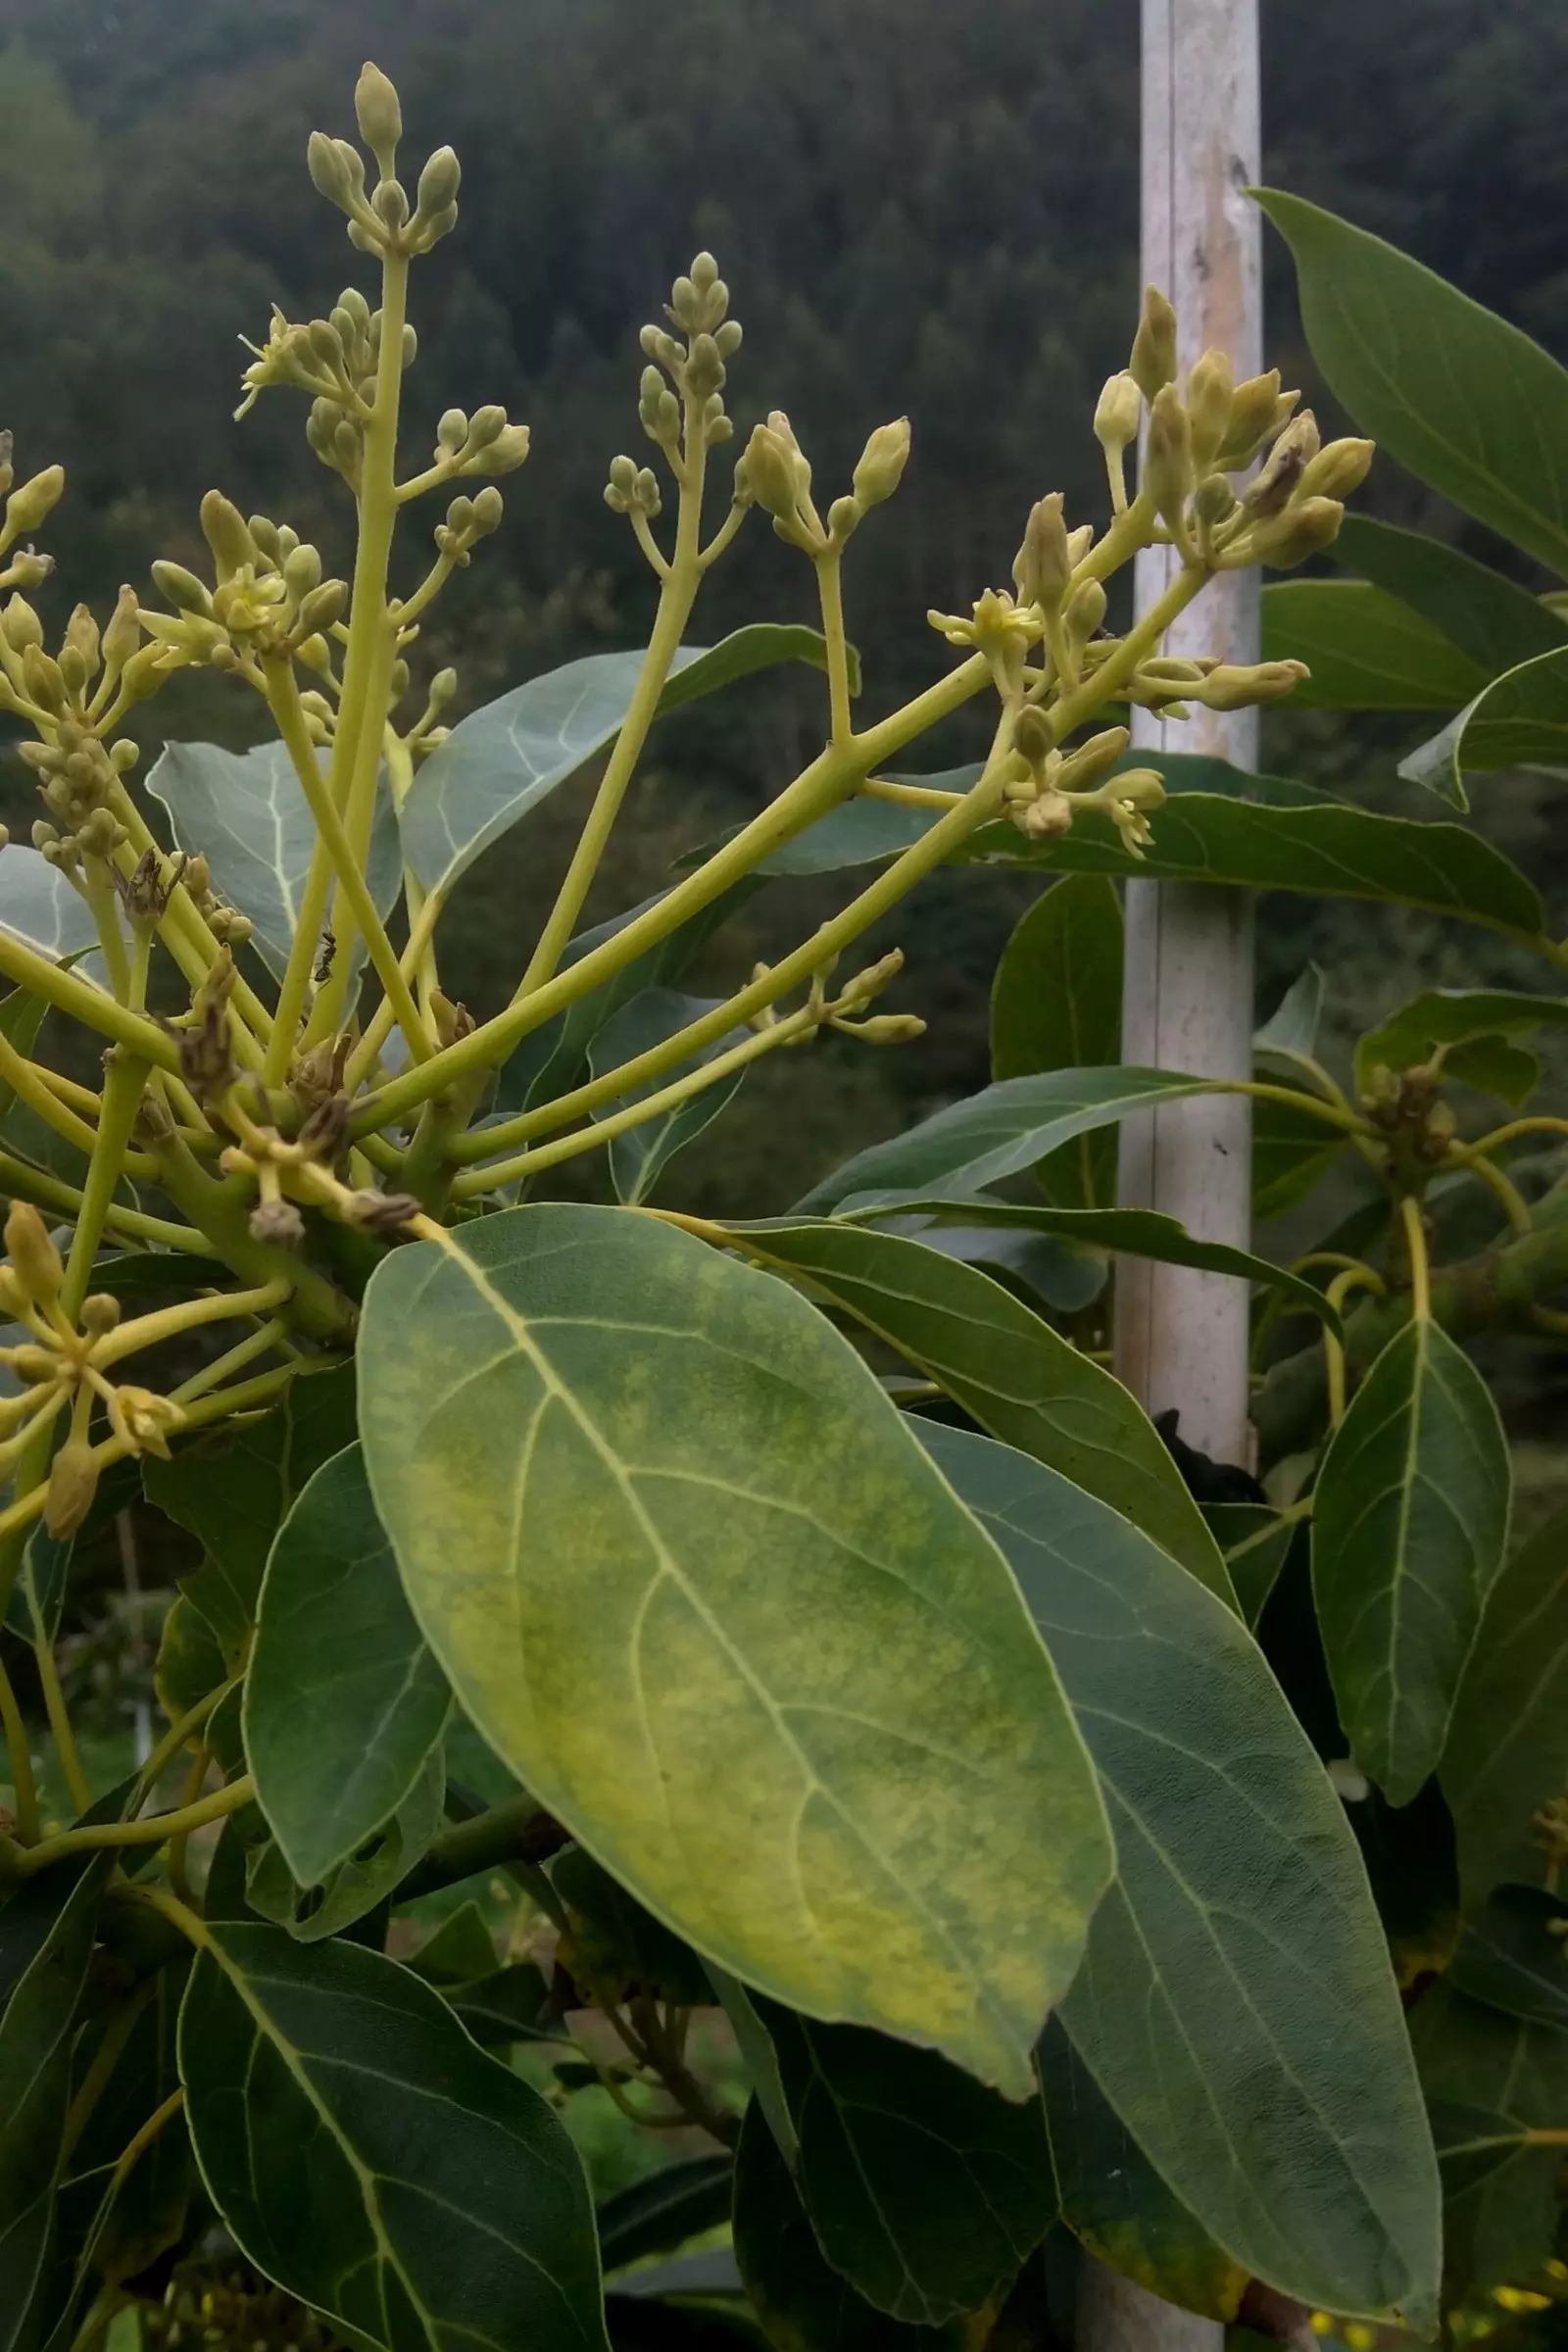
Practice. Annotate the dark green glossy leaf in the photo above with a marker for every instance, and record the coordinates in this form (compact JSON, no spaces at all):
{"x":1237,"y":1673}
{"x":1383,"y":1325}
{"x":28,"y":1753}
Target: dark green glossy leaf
{"x":246,"y":814}
{"x":1007,"y":1367}
{"x":1464,"y":400}
{"x":1488,"y":616}
{"x":660,"y":2214}
{"x":995,"y":1133}
{"x":190,"y":1660}
{"x":343,"y":1702}
{"x":1489,"y":2079}
{"x":616,"y":1943}
{"x":1055,"y":1004}
{"x":926,"y":2190}
{"x":351,"y":1889}
{"x":639,"y":1157}
{"x":1409,"y":1521}
{"x":1410,"y":1865}
{"x":1291,"y":1153}
{"x":132,"y":2224}
{"x":1507,"y":1751}
{"x":1114,"y":2201}
{"x":461,"y":1950}
{"x":1454,"y":1017}
{"x":1255,"y":1542}
{"x":1236,"y":2006}
{"x":598,"y":1444}
{"x":759,"y":2057}
{"x":513,"y":2005}
{"x":1366,"y":650}
{"x":138,"y":1274}
{"x":1494,"y":1067}
{"x":1519,"y":720}
{"x":502,"y":761}
{"x":803,"y":2304}
{"x":1512,"y":1956}
{"x":368,"y":2159}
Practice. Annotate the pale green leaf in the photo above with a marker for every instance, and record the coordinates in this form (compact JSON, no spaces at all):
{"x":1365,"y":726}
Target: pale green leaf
{"x":343,"y":1702}
{"x":1507,"y":1751}
{"x":666,"y":1534}
{"x":1409,"y":1519}
{"x":1236,"y":2006}
{"x":1519,"y":720}
{"x":40,"y":906}
{"x":1366,"y":650}
{"x":1290,"y":1030}
{"x":639,"y":1157}
{"x":1055,"y":1004}
{"x":366,"y":2156}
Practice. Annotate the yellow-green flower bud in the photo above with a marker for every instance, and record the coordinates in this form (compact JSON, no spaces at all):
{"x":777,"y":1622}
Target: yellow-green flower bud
{"x":1213,"y":502}
{"x":42,"y":678}
{"x":124,"y":756}
{"x":337,"y":170}
{"x":841,"y":517}
{"x":439,"y":181}
{"x":182,"y":588}
{"x":1305,"y":529}
{"x":507,"y":451}
{"x":621,"y":489}
{"x":484,"y":425}
{"x":1043,"y":566}
{"x":1169,"y":457}
{"x":1153,"y":363}
{"x":73,"y":1484}
{"x":1288,"y":461}
{"x":228,"y":534}
{"x":379,"y":116}
{"x":390,"y":205}
{"x":122,"y":636}
{"x":1239,"y":686}
{"x":1258,"y":411}
{"x":882,"y":462}
{"x":1093,"y":760}
{"x":1211,"y":390}
{"x":1118,"y":412}
{"x":488,"y":508}
{"x":769,"y":464}
{"x":34,"y":502}
{"x":30,"y":571}
{"x":100,"y":1314}
{"x":1084,"y":612}
{"x":1337,"y":468}
{"x":321,"y":607}
{"x":21,"y":625}
{"x":34,"y":1259}
{"x":83,"y":639}
{"x":888,"y":1029}
{"x":1032,"y":735}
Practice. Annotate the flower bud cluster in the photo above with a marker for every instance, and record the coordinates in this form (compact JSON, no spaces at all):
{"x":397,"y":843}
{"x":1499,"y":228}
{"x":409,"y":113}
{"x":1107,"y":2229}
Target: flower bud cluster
{"x":1046,"y":788}
{"x":693,"y":360}
{"x":269,"y":598}
{"x":484,"y":443}
{"x":775,"y":475}
{"x":379,"y":218}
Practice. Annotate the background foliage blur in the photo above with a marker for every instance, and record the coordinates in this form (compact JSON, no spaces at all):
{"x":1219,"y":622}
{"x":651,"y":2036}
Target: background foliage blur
{"x":920,"y":208}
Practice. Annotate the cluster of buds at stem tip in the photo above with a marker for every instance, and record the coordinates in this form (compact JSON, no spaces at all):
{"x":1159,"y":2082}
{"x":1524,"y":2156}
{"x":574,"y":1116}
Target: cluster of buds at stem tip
{"x":268,"y":599}
{"x":1202,"y":439}
{"x":485,"y":443}
{"x":681,"y":401}
{"x":847,"y":1011}
{"x":72,"y":699}
{"x":1044,"y":789}
{"x":774,"y":475}
{"x":380,"y":219}
{"x":26,"y":510}
{"x":62,"y":1363}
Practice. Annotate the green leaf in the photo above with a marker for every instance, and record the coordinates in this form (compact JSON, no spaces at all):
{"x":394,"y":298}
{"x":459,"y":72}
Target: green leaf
{"x":246,"y":814}
{"x":369,"y":2160}
{"x":35,"y":2042}
{"x":1409,"y":1520}
{"x":1488,"y":616}
{"x":1512,"y":1956}
{"x":20,"y":1019}
{"x":1454,"y":1017}
{"x":595,"y":1442}
{"x":1507,"y":1751}
{"x":1470,"y":405}
{"x":504,"y":760}
{"x":461,"y":1950}
{"x":1491,"y":2078}
{"x":1055,"y":1004}
{"x":996,"y":1133}
{"x":615,"y":1943}
{"x":1007,"y":1367}
{"x":353,"y":1888}
{"x":1291,"y":1153}
{"x":1494,"y":1067}
{"x":1128,"y":1232}
{"x":40,"y":906}
{"x":928,"y":2191}
{"x":759,"y":2057}
{"x":803,"y":2304}
{"x":233,"y":1491}
{"x":1366,"y":650}
{"x":511,"y":2005}
{"x":190,"y":1659}
{"x":128,"y":2227}
{"x":1519,"y":720}
{"x":657,"y":2215}
{"x":343,"y":1702}
{"x":638,"y":1158}
{"x":1116,"y":2204}
{"x":138,"y":1274}
{"x":1236,"y":2006}
{"x":1290,"y":1033}
{"x":1255,"y":1541}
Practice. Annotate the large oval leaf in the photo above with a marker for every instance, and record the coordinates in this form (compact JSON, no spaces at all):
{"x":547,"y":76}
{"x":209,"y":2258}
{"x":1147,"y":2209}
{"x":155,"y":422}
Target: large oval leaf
{"x":1454,"y":1017}
{"x":1472,"y":405}
{"x":1236,"y":2006}
{"x":1488,"y":616}
{"x":246,"y":814}
{"x":366,"y":2156}
{"x":1519,"y":720}
{"x":40,"y":906}
{"x":1008,"y":1368}
{"x":1366,"y":650}
{"x":1507,"y":1751}
{"x":343,"y":1700}
{"x":666,"y":1534}
{"x":1409,"y":1520}
{"x":1055,"y":1004}
{"x":639,"y":1156}
{"x":1490,"y":2081}
{"x":502,"y":761}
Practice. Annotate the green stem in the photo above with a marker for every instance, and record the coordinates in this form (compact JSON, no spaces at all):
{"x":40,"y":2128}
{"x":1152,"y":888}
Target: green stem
{"x":24,"y":1182}
{"x":56,"y":1709}
{"x":830,"y":589}
{"x":92,"y":1006}
{"x":100,"y":897}
{"x":125,"y":1082}
{"x":221,"y":1206}
{"x":155,"y":1829}
{"x":516,"y":1832}
{"x":178,"y":1737}
{"x":150,"y":1330}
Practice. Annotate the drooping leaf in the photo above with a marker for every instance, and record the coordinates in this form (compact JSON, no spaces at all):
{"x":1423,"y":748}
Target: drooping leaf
{"x":803,"y":2304}
{"x":1055,"y":1004}
{"x":1236,"y":2006}
{"x":343,"y":1700}
{"x":640,"y":1157}
{"x":995,"y":1133}
{"x":1366,"y":650}
{"x":1007,"y":1367}
{"x":1467,"y":402}
{"x":234,"y":1491}
{"x":40,"y":905}
{"x":1489,"y":2079}
{"x":246,"y":814}
{"x":928,"y":2191}
{"x":1512,"y":1957}
{"x":627,"y":1482}
{"x":1114,"y":2201}
{"x":1519,"y":720}
{"x":1409,"y":1521}
{"x":504,"y":760}
{"x":366,"y":2156}
{"x":351,"y":1888}
{"x":1454,"y":1017}
{"x":1507,"y":1751}
{"x":1486,"y":616}
{"x":657,"y":2215}
{"x":1129,"y":1232}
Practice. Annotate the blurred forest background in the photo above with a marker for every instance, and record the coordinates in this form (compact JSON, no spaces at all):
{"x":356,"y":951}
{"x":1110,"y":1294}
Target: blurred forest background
{"x":920,"y":208}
